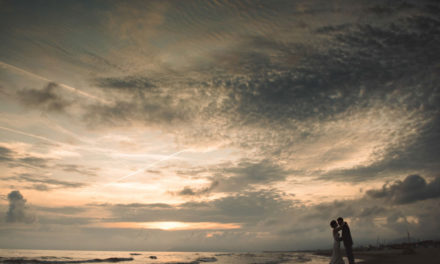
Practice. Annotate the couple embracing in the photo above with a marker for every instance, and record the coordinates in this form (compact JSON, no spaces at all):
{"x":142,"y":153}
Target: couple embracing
{"x":346,"y":239}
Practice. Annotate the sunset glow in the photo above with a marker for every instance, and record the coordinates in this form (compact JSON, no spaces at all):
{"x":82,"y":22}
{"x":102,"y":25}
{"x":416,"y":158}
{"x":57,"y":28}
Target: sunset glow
{"x":171,"y":225}
{"x":217,"y":125}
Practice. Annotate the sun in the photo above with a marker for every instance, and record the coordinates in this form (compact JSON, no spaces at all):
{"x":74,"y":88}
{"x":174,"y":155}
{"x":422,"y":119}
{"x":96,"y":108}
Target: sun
{"x":166,"y":225}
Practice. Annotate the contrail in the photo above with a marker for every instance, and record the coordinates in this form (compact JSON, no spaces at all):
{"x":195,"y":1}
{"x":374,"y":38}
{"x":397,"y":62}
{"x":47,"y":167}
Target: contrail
{"x":146,"y":167}
{"x":32,"y":135}
{"x":86,"y":148}
{"x":65,"y":86}
{"x":91,"y":149}
{"x":105,"y":185}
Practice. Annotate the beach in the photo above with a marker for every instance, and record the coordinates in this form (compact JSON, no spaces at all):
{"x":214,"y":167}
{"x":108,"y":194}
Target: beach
{"x":393,"y":256}
{"x":23,"y":256}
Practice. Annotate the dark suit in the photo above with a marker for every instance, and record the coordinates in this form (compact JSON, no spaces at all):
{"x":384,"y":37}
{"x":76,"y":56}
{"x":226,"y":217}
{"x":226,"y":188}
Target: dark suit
{"x":348,"y":242}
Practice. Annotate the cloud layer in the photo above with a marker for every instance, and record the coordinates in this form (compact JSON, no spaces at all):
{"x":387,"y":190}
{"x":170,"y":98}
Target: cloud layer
{"x":284,"y":115}
{"x":413,"y":188}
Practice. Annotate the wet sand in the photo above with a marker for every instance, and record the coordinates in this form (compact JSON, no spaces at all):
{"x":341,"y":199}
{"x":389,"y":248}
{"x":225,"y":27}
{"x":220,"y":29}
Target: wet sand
{"x":393,"y":256}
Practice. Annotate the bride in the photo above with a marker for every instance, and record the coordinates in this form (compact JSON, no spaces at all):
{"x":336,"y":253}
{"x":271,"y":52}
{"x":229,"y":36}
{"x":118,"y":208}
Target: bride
{"x":336,"y":254}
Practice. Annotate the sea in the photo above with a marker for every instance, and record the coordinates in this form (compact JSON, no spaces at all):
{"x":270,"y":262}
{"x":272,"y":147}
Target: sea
{"x":15,"y":256}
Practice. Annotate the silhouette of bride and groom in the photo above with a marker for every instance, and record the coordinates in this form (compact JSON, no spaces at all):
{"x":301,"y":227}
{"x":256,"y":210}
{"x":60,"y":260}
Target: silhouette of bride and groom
{"x":345,"y":238}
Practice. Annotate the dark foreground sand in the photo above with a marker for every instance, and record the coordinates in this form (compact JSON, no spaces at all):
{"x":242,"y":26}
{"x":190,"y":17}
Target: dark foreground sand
{"x":394,"y":256}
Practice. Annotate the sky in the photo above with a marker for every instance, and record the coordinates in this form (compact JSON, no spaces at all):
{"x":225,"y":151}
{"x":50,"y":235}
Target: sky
{"x":218,"y":125}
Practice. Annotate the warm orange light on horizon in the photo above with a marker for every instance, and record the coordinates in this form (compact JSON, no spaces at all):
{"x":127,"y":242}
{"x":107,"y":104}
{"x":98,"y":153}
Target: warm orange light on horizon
{"x":171,"y":225}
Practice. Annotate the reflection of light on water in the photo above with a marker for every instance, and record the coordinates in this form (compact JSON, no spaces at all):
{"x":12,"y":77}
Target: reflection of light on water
{"x":166,"y":257}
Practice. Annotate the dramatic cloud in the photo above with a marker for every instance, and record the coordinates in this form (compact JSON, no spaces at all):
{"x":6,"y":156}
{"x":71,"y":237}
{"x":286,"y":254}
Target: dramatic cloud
{"x":288,"y":88}
{"x":159,"y":109}
{"x":129,"y":84}
{"x":408,"y":156}
{"x":413,"y":188}
{"x":17,"y":209}
{"x":238,"y":177}
{"x":46,"y":99}
{"x":269,"y":117}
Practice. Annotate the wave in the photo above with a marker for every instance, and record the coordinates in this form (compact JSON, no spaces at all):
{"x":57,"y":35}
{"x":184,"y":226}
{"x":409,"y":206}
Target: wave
{"x":207,"y":259}
{"x":40,"y":261}
{"x":197,"y":261}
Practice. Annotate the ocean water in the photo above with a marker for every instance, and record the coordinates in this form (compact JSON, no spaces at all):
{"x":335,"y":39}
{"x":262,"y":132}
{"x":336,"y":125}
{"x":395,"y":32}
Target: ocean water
{"x":14,"y":256}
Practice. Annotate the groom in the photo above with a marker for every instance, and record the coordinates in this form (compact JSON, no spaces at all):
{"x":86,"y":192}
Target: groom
{"x":347,"y":240}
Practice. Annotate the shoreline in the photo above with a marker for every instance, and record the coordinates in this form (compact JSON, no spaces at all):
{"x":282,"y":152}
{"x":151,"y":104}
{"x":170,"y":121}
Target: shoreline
{"x":391,"y":256}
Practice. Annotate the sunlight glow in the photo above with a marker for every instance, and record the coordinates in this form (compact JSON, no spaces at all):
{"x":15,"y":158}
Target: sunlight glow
{"x":170,"y":225}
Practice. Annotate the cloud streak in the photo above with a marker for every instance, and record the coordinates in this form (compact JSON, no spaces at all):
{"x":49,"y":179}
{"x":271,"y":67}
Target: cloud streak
{"x":65,"y":86}
{"x":42,"y":183}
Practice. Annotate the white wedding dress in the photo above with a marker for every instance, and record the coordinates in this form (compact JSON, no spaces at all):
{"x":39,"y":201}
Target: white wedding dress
{"x":336,"y":254}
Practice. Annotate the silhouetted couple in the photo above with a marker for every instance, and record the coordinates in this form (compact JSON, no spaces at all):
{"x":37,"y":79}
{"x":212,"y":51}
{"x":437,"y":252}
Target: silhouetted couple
{"x":346,"y":239}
